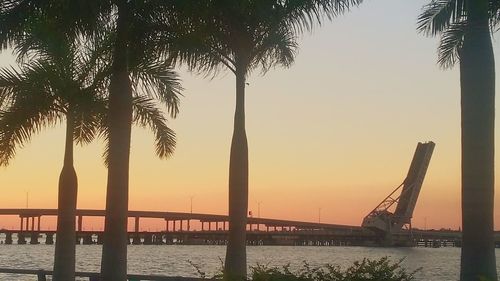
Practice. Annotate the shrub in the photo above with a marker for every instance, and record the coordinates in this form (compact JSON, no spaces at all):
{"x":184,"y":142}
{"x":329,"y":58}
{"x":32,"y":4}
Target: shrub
{"x":365,"y":270}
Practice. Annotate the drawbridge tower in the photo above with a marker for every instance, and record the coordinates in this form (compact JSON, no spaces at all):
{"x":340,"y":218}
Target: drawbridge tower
{"x":394,"y":213}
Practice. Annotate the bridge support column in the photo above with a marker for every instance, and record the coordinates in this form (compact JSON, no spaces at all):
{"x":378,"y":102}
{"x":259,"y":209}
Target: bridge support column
{"x":87,"y":239}
{"x":80,"y":223}
{"x":224,"y":225}
{"x":180,"y":227}
{"x":8,"y":238}
{"x":21,"y":240}
{"x":34,"y":238}
{"x":136,"y":240}
{"x":209,"y":226}
{"x":173,"y":227}
{"x":202,"y":226}
{"x":148,"y":239}
{"x":27,"y":223}
{"x":158,"y":239}
{"x":32,"y":223}
{"x":166,"y":225}
{"x":188,"y":225}
{"x":136,"y":226}
{"x":100,"y":238}
{"x":22,"y":223}
{"x":39,"y":218}
{"x":49,"y":238}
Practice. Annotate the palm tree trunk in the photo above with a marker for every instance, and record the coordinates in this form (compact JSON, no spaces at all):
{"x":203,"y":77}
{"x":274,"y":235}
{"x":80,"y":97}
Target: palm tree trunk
{"x":235,"y":264}
{"x":114,"y":252}
{"x":64,"y":257}
{"x":477,"y":80}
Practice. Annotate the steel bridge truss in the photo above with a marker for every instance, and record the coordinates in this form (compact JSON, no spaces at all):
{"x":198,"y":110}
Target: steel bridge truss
{"x":386,"y":218}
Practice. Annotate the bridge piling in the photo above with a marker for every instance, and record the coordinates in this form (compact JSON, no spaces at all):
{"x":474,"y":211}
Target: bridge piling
{"x":34,"y":238}
{"x":32,"y":223}
{"x":87,"y":239}
{"x":136,"y":226}
{"x":21,"y":240}
{"x":8,"y":238}
{"x":80,"y":223}
{"x":136,"y":239}
{"x":49,"y":238}
{"x":148,"y":239}
{"x":100,"y":239}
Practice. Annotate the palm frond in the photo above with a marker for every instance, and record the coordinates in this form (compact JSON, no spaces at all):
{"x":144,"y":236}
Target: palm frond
{"x":450,"y":45}
{"x":9,"y":78}
{"x":103,"y":133}
{"x":147,"y":114}
{"x":278,"y":47}
{"x":72,"y":17}
{"x":302,"y":15}
{"x":494,"y":15}
{"x":157,"y":79}
{"x":438,"y":15}
{"x":88,"y":111}
{"x":27,"y":116}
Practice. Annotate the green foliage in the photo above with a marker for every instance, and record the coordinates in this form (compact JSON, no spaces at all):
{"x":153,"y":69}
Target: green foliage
{"x":448,"y":19}
{"x":365,"y":270}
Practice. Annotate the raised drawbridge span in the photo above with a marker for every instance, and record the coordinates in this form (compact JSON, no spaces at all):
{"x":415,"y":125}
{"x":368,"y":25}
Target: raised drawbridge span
{"x":394,"y":213}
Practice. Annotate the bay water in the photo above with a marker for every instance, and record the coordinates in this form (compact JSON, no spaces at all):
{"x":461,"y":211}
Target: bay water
{"x":177,"y":260}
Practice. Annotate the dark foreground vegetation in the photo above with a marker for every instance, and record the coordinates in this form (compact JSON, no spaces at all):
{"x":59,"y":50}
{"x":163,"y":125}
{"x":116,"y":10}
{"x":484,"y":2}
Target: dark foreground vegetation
{"x":366,"y":270}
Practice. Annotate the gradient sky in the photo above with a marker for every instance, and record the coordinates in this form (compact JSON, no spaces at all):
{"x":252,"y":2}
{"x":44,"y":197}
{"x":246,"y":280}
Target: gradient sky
{"x":336,"y":131}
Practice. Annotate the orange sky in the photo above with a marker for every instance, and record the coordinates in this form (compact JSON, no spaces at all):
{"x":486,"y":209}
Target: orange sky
{"x":337,"y":131}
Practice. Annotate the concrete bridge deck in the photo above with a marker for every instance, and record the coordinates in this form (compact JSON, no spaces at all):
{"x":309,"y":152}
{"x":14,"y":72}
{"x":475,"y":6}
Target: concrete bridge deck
{"x":260,"y":231}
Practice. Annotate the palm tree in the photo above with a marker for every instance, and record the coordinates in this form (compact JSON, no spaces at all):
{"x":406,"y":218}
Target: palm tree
{"x":69,"y":80}
{"x":133,"y":44}
{"x":241,"y":36}
{"x":464,"y":26}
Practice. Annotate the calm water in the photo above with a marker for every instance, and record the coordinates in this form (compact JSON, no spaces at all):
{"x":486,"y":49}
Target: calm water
{"x":438,"y":264}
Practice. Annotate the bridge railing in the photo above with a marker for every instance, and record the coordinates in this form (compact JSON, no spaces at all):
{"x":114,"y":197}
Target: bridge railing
{"x":93,"y":276}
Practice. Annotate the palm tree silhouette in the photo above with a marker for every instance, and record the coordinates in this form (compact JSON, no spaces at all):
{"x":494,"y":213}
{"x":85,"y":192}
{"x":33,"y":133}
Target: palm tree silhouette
{"x":65,"y":78}
{"x":241,"y":36}
{"x":134,"y":45}
{"x":464,"y":26}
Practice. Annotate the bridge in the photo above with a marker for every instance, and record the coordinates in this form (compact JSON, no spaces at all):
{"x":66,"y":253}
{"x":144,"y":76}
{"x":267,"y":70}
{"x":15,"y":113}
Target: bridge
{"x":389,"y":224}
{"x":178,"y":229}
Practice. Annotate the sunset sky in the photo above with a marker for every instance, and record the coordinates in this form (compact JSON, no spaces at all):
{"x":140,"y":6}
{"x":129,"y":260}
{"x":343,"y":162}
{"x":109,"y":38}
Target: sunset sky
{"x":336,"y":131}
